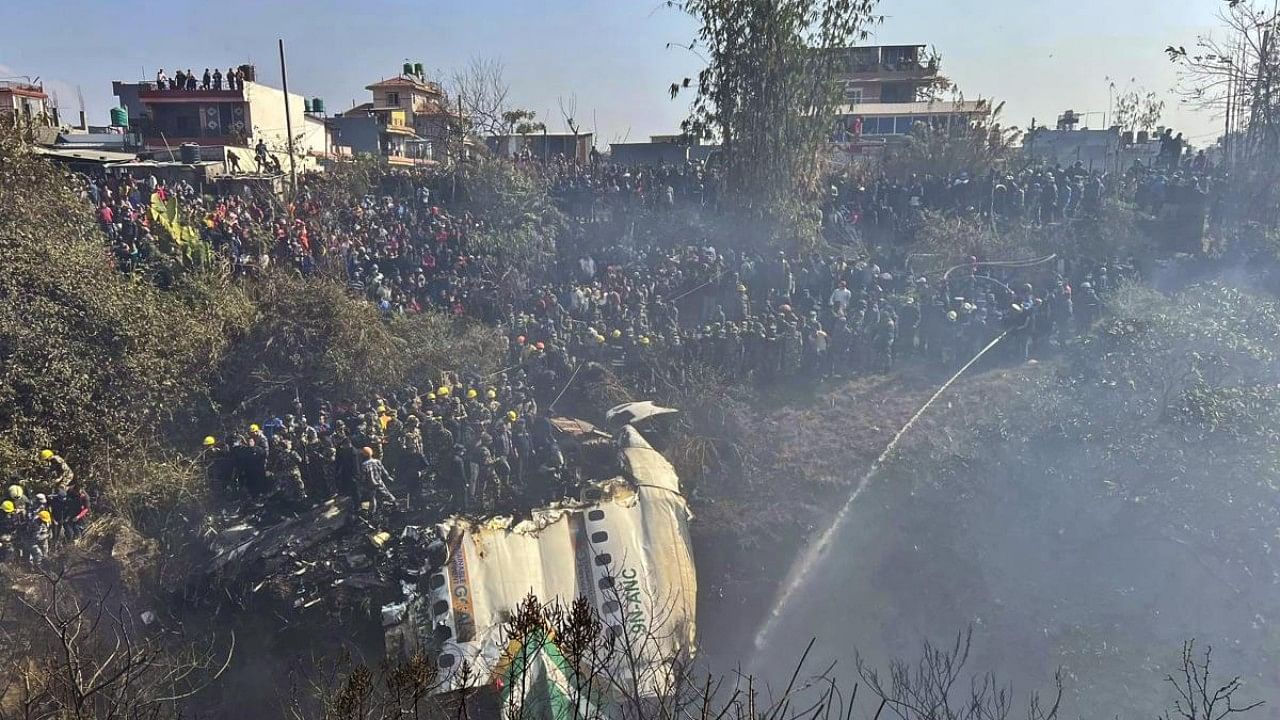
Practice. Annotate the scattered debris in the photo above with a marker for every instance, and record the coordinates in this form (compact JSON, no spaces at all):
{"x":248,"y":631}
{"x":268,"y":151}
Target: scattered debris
{"x":446,"y":585}
{"x":628,"y":553}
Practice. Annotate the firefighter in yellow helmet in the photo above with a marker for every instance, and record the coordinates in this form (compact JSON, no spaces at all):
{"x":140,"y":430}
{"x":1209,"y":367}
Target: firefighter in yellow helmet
{"x":11,"y":525}
{"x":36,"y":537}
{"x":56,"y":474}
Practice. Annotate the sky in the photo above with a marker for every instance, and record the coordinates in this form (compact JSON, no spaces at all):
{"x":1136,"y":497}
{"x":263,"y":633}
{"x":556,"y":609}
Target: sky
{"x":611,"y":56}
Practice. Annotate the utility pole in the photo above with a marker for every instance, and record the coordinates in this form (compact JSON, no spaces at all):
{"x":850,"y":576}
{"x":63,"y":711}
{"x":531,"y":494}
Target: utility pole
{"x":288,"y":126}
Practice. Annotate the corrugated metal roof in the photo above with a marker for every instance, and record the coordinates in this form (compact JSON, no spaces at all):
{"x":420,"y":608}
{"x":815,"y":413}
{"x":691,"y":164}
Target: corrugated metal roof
{"x":103,"y":156}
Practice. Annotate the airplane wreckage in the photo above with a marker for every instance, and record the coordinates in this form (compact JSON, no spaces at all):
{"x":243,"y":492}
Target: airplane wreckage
{"x":449,"y":589}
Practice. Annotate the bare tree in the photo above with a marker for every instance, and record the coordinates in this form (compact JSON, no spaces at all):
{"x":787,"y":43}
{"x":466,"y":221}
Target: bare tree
{"x":568,"y":112}
{"x":935,"y":687}
{"x":1236,"y":73}
{"x":1199,"y":696}
{"x":482,"y":90}
{"x":76,"y":658}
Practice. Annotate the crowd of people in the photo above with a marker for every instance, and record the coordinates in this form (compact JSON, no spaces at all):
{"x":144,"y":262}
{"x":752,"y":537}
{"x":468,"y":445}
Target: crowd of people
{"x":649,"y":312}
{"x":605,"y":189}
{"x":49,"y":508}
{"x":187,"y":80}
{"x":477,"y":445}
{"x":1035,"y":196}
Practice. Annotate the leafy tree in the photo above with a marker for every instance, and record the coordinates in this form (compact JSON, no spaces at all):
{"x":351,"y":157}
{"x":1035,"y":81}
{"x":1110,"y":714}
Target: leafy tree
{"x":768,"y":95}
{"x":980,"y":146}
{"x":91,"y":360}
{"x":309,"y":338}
{"x":1138,"y":110}
{"x":521,"y":122}
{"x":515,"y":211}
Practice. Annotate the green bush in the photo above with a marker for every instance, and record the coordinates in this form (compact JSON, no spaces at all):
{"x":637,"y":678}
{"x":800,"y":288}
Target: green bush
{"x":90,"y":359}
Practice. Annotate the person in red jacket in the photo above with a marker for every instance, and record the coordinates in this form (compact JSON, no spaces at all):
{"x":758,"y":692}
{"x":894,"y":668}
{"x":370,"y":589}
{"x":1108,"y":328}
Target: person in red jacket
{"x":76,"y":512}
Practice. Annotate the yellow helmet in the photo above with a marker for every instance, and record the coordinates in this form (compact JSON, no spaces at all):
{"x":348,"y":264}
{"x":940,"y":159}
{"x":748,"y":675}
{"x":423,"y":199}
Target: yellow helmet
{"x":8,"y":506}
{"x":209,"y":441}
{"x":617,"y":333}
{"x":431,"y":396}
{"x":45,"y":516}
{"x":15,"y":492}
{"x":600,"y":339}
{"x":254,"y":428}
{"x":491,"y":394}
{"x":511,"y":415}
{"x":471,"y":393}
{"x":46,"y":454}
{"x":443,"y":391}
{"x":644,"y":340}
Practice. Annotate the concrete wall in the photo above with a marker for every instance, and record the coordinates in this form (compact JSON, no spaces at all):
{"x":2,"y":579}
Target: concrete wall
{"x":315,"y":135}
{"x":1096,"y":149}
{"x":267,"y":118}
{"x":540,"y":145}
{"x":648,"y":153}
{"x":360,"y":133}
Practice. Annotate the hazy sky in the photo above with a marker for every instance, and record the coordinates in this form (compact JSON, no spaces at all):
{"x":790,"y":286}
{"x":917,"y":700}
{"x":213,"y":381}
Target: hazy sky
{"x":1041,"y":57}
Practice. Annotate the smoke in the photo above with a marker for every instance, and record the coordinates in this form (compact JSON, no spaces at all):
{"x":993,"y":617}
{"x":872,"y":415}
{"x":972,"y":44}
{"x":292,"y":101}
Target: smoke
{"x":1072,"y":516}
{"x":814,"y":554}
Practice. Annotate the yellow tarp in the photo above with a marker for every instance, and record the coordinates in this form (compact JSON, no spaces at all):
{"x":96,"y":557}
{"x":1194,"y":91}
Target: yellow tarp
{"x":186,"y":240}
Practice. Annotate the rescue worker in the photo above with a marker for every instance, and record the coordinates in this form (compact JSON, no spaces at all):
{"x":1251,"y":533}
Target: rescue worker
{"x":286,"y":473}
{"x":18,"y":497}
{"x":482,"y":489}
{"x":38,"y":531}
{"x":9,"y":528}
{"x":882,"y":342}
{"x":57,"y":473}
{"x":1087,"y":306}
{"x":374,"y":477}
{"x":216,"y":460}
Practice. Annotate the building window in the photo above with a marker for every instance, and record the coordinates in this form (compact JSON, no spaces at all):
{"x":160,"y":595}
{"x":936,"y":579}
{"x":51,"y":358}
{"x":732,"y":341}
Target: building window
{"x":897,"y":93}
{"x":852,"y":94}
{"x":393,"y":98}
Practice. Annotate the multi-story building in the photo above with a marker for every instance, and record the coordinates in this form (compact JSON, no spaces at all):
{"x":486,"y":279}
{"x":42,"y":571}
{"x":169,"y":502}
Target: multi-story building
{"x":887,"y":90}
{"x":26,"y":105}
{"x":408,"y":121}
{"x":167,"y":118}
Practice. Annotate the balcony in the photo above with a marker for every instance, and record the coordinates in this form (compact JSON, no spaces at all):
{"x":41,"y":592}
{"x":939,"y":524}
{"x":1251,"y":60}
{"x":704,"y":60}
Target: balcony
{"x":885,"y":72}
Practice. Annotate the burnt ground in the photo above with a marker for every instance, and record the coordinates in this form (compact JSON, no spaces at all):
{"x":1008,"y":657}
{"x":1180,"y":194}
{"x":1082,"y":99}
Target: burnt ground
{"x":804,"y":455}
{"x":972,"y":524}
